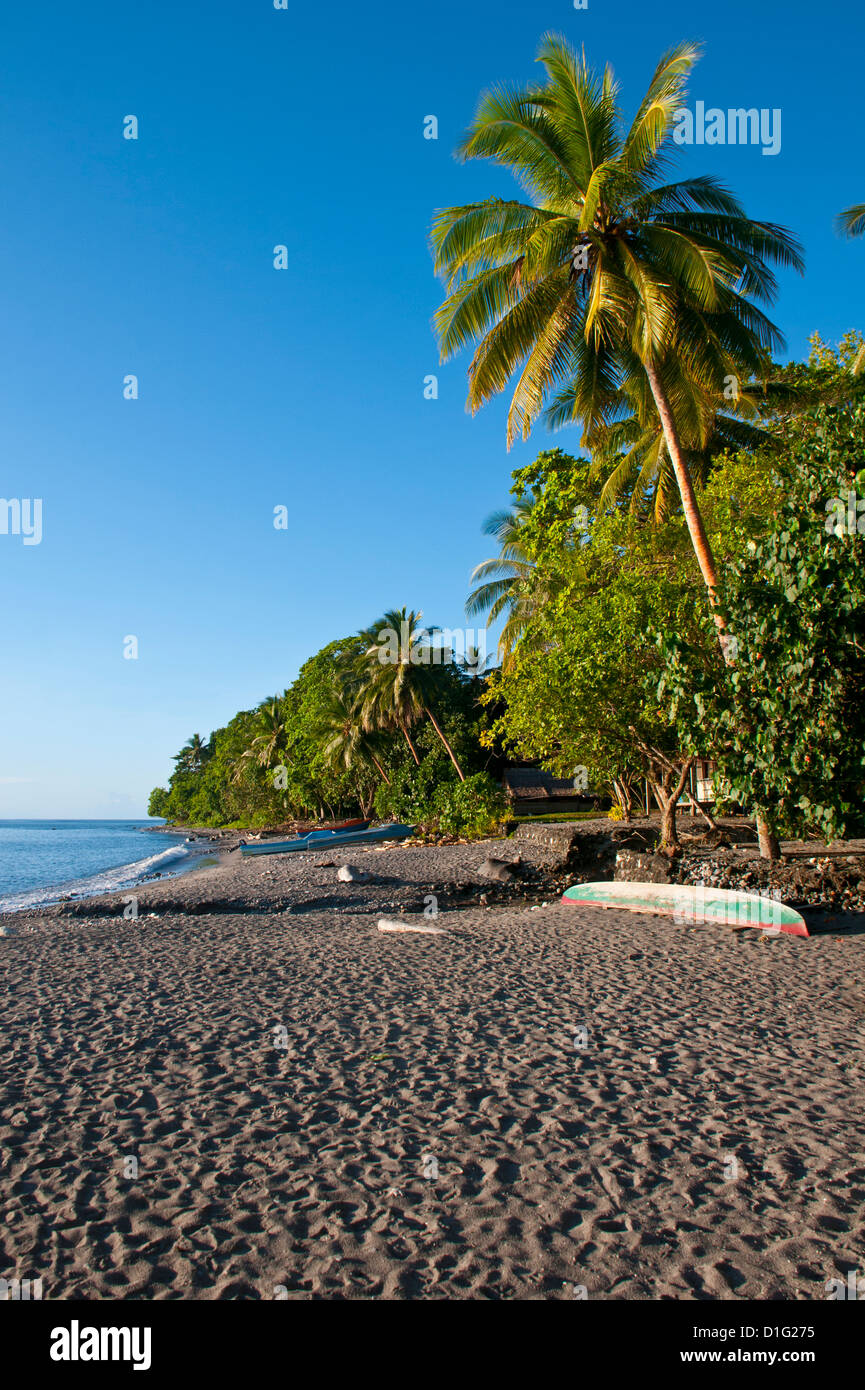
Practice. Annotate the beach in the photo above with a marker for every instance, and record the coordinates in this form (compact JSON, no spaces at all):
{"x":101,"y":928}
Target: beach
{"x":255,"y":1094}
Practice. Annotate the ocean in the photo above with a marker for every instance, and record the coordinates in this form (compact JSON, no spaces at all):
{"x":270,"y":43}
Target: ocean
{"x":44,"y":860}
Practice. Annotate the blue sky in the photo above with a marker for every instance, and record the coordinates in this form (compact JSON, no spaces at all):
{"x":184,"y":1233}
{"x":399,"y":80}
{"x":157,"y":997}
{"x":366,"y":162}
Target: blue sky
{"x":301,"y":387}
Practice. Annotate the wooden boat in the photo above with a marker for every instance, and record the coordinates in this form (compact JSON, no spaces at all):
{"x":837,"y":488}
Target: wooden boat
{"x":332,"y":839}
{"x":301,"y":841}
{"x":690,"y":904}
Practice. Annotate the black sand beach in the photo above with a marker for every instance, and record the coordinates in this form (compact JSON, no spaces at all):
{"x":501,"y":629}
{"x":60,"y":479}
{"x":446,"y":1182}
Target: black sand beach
{"x":256,"y":1094}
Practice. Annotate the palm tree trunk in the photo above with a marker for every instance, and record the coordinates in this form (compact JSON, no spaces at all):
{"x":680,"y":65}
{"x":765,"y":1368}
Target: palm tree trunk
{"x":769,"y":847}
{"x":693,"y":519}
{"x":380,"y":768}
{"x":451,"y":754}
{"x":411,"y":745}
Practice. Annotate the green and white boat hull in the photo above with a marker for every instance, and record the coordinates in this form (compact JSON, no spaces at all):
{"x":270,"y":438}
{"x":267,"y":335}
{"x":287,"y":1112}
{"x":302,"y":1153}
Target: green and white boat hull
{"x":691,"y":904}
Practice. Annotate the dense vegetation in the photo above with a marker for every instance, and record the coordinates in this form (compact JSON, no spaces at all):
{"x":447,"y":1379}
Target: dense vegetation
{"x":690,"y":585}
{"x":353,"y":733}
{"x":615,"y":665}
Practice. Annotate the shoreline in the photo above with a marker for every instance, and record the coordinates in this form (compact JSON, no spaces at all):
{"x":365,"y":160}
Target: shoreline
{"x":815,"y":879}
{"x":71,"y":890}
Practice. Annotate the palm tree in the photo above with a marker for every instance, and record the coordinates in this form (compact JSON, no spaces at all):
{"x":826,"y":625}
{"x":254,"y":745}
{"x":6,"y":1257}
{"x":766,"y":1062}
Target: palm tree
{"x":193,"y":754}
{"x":851,"y":222}
{"x":474,"y":664}
{"x":505,"y":583}
{"x":346,"y":741}
{"x":267,"y":747}
{"x":377,"y":711}
{"x":397,"y":678}
{"x":630,"y":453}
{"x":606,"y":276}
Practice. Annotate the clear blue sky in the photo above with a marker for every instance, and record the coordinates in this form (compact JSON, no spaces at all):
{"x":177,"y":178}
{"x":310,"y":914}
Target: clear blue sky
{"x":302,"y":387}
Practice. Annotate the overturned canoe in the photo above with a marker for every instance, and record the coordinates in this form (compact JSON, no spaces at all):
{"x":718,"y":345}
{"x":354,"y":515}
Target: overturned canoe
{"x":331,"y":839}
{"x":691,"y":904}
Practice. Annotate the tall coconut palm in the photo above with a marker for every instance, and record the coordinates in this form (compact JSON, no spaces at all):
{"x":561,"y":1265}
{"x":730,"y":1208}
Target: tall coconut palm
{"x":605,"y":275}
{"x":375,"y":707}
{"x":397,"y":683}
{"x":630,"y":453}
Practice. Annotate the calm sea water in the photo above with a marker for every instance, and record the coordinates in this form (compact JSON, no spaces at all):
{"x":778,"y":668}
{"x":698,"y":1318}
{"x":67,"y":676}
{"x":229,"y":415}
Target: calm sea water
{"x":42,"y":860}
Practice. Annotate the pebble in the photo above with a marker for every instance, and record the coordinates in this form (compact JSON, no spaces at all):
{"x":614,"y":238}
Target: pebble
{"x":349,"y":873}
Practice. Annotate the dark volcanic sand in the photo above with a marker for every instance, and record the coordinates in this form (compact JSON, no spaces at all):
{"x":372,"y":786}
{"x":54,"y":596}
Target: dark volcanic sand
{"x":312,"y":1167}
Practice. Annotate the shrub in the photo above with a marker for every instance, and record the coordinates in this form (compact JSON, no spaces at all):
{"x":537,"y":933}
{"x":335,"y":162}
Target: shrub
{"x":476,"y":806}
{"x":422,"y":795}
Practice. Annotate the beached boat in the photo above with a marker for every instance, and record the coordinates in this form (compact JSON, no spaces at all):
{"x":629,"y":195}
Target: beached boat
{"x":691,"y":904}
{"x":331,"y":839}
{"x":278,"y":846}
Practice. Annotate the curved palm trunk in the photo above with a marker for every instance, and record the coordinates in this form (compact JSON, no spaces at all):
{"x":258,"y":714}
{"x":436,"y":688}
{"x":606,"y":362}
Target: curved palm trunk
{"x":693,"y":519}
{"x":451,"y":754}
{"x":380,"y":768}
{"x":410,"y":744}
{"x":769,"y":847}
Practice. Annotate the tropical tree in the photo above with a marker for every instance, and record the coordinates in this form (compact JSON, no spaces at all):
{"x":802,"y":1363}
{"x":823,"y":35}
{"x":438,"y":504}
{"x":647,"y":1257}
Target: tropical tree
{"x":787,"y":721}
{"x":631,"y":458}
{"x":583,"y":697}
{"x":605,"y":274}
{"x":398,"y":676}
{"x":346,"y":743}
{"x":268,"y":744}
{"x":504,"y":582}
{"x":192,"y":755}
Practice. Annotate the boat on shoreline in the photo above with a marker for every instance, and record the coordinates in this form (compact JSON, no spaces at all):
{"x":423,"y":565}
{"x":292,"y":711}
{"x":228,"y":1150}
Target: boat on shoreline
{"x":691,"y":904}
{"x":332,"y":839}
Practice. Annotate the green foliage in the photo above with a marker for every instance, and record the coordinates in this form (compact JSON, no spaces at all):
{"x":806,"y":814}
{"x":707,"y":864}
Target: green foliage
{"x":306,"y":754}
{"x":786,"y":721}
{"x":606,"y":288}
{"x":428,"y":796}
{"x":158,"y":804}
{"x":574,"y":693}
{"x":476,"y":806}
{"x":578,"y":698}
{"x":824,"y":358}
{"x":563,"y":499}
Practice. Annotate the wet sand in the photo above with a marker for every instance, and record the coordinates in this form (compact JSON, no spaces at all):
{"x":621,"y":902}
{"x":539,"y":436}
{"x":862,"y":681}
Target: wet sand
{"x":256,"y":1094}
